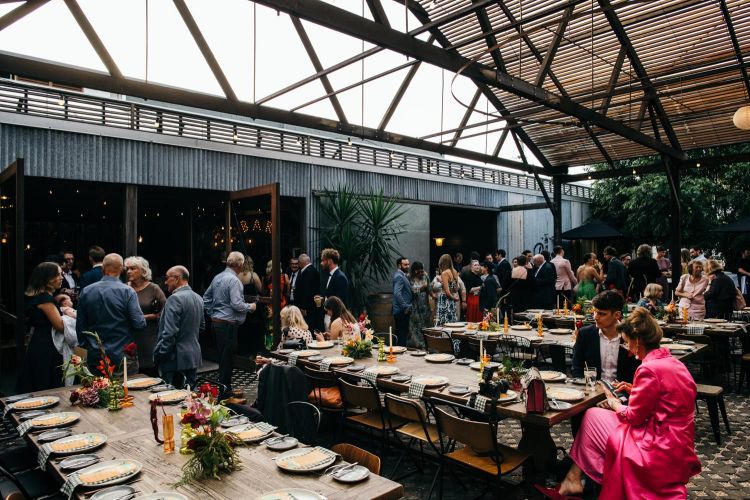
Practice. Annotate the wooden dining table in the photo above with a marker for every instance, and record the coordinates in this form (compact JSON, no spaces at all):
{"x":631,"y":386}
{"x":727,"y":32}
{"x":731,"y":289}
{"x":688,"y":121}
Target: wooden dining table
{"x":129,"y":435}
{"x":535,"y":438}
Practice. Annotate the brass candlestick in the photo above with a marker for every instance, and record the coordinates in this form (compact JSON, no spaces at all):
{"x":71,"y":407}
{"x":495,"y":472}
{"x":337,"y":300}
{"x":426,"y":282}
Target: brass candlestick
{"x":391,"y":357}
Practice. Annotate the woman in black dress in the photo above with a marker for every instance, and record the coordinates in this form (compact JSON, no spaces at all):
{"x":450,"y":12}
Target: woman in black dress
{"x":720,"y":293}
{"x":41,"y":368}
{"x":521,"y":286}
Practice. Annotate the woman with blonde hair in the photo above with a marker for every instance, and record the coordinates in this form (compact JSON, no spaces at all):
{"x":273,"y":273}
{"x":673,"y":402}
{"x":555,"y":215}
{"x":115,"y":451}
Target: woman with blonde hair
{"x":651,"y":299}
{"x":720,"y":293}
{"x":249,"y":278}
{"x":645,"y":449}
{"x":448,"y":294}
{"x":151,"y":299}
{"x":294,"y":326}
{"x":690,"y":291}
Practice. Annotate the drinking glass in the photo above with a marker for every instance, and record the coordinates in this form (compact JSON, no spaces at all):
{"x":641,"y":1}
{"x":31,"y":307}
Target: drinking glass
{"x":168,"y":430}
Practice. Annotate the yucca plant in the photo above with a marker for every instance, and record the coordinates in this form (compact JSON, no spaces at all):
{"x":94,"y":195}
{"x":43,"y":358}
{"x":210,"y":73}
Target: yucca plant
{"x":364,"y":228}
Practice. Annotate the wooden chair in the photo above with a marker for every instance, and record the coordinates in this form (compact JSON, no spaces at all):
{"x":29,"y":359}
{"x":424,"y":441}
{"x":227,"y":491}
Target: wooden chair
{"x":418,"y":430}
{"x":363,"y":407}
{"x":713,"y":395}
{"x":352,"y":454}
{"x":440,"y":344}
{"x":304,"y":421}
{"x":480,"y":453}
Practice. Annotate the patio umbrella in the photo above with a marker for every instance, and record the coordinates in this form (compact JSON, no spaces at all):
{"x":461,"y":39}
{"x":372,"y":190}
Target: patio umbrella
{"x":740,"y":226}
{"x":592,"y":230}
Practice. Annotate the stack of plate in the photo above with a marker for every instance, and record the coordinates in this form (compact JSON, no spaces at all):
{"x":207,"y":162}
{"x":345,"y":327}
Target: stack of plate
{"x":383,"y":370}
{"x":338,"y":360}
{"x":320,"y":344}
{"x":552,"y":376}
{"x":430,"y":380}
{"x":439,"y":358}
{"x":565,"y":394}
{"x":34,"y":403}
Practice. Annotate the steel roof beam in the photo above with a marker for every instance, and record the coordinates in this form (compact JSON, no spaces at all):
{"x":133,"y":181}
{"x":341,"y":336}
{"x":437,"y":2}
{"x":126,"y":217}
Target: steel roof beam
{"x":465,"y":118}
{"x":19,"y":12}
{"x":640,"y":71}
{"x":735,"y":44}
{"x":93,"y":38}
{"x":554,"y":44}
{"x":318,"y":67}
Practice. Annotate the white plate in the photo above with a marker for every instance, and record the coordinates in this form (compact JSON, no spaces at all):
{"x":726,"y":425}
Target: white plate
{"x":714,"y":320}
{"x":397,"y":349}
{"x":475,"y":365}
{"x":114,"y":493}
{"x":320,"y":344}
{"x":78,"y":462}
{"x":552,"y":376}
{"x":127,"y":468}
{"x":54,"y":435}
{"x":559,"y":405}
{"x":430,"y":380}
{"x":306,"y":353}
{"x":49,"y":420}
{"x":34,"y":403}
{"x":137,"y":384}
{"x":170,"y":397}
{"x":560,"y":331}
{"x":439,"y":358}
{"x":252,"y":437}
{"x":281,"y":444}
{"x":676,"y":347}
{"x":383,"y":370}
{"x":508,"y":396}
{"x":665,"y":340}
{"x":89,"y":441}
{"x":352,"y":475}
{"x":459,"y":324}
{"x":521,"y":327}
{"x":163,"y":495}
{"x":565,"y":394}
{"x":234,"y":421}
{"x":287,"y":461}
{"x":338,"y":360}
{"x":535,"y":311}
{"x":291,"y":494}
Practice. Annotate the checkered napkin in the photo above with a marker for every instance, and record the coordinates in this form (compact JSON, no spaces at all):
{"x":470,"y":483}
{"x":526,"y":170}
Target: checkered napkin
{"x":416,"y":390}
{"x":292,"y":359}
{"x":371,"y":376}
{"x":8,"y":407}
{"x":71,"y":483}
{"x":325,"y":365}
{"x":44,"y":453}
{"x":480,"y":403}
{"x":24,"y":427}
{"x":695,"y":329}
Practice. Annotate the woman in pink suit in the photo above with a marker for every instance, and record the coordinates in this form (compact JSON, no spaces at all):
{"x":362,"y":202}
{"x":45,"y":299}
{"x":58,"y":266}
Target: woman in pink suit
{"x":644,"y":450}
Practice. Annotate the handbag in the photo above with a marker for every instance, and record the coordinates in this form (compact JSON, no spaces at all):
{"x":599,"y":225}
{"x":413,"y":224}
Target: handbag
{"x":535,"y":391}
{"x":739,"y":300}
{"x":328,"y":397}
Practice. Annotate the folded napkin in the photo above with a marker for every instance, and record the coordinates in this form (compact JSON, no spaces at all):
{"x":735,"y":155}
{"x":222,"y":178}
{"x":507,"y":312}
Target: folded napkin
{"x":317,"y":456}
{"x":480,"y":403}
{"x":416,"y":390}
{"x":24,"y":427}
{"x":325,"y":365}
{"x":292,"y":359}
{"x":695,"y":329}
{"x":371,"y":376}
{"x":44,"y":453}
{"x":70,"y":484}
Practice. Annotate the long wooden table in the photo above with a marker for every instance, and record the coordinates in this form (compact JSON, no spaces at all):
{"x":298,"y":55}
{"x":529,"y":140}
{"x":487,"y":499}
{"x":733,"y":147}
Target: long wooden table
{"x":129,"y":435}
{"x":535,"y":438}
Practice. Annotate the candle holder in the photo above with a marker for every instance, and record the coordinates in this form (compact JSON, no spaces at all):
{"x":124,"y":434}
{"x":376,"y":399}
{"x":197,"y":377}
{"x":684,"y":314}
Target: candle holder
{"x":391,"y":357}
{"x":381,"y":350}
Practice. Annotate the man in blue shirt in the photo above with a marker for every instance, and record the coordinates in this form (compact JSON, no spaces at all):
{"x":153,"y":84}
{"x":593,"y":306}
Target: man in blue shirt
{"x":402,"y":297}
{"x":226,"y":306}
{"x":109,"y":308}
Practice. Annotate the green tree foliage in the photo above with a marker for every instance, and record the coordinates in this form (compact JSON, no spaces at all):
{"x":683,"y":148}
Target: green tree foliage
{"x":710,"y":197}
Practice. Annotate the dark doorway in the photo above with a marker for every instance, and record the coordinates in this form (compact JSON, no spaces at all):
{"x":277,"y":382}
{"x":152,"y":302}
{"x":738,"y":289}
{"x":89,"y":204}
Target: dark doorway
{"x":464,"y":230}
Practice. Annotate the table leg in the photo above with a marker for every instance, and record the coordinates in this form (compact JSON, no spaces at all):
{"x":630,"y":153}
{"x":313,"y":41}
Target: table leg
{"x":537,"y":441}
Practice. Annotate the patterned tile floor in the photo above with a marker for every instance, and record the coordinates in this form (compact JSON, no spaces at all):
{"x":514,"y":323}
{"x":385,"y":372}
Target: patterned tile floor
{"x":726,"y":467}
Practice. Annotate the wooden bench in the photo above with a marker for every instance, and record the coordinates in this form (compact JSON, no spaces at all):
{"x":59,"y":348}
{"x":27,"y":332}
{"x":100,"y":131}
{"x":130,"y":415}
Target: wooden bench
{"x":713,"y":395}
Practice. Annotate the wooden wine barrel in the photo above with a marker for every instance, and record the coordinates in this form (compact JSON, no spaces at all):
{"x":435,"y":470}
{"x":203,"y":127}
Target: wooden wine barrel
{"x":379,"y":311}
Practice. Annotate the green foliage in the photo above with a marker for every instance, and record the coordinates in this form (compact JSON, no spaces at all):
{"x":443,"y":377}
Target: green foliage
{"x":709,"y":197}
{"x":365,"y":230}
{"x":215,"y":454}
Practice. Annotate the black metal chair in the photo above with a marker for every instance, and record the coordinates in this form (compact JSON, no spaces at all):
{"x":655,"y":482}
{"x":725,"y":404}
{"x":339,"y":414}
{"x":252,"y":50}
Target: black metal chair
{"x":304,"y":421}
{"x":517,"y":348}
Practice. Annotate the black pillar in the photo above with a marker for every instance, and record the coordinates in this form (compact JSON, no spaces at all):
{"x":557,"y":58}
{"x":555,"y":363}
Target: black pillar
{"x":130,"y":220}
{"x":557,"y":213}
{"x":675,"y":219}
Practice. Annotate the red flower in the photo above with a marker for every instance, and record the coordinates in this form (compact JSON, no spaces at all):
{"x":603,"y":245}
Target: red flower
{"x":74,"y":396}
{"x":131,"y":350}
{"x":214,"y":391}
{"x":192,"y":444}
{"x":362,"y":317}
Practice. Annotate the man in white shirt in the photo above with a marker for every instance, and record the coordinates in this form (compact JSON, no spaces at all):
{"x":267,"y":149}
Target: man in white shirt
{"x":696,"y":253}
{"x":69,"y":279}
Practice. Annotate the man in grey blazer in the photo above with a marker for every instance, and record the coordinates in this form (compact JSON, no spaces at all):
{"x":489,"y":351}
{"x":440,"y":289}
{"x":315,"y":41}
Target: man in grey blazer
{"x":177,"y":352}
{"x":402,"y":297}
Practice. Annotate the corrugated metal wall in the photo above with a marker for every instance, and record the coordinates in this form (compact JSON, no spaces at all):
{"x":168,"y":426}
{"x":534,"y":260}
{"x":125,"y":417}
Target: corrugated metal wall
{"x":69,"y":155}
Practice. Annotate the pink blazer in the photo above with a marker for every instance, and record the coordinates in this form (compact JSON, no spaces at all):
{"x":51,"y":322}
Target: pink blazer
{"x":566,"y":280}
{"x":651,"y":454}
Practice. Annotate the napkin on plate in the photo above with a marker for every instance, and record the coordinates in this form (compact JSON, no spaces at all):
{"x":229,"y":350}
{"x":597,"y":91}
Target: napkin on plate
{"x":416,"y":390}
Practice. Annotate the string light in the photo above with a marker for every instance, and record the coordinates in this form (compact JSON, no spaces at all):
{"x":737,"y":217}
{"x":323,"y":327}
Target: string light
{"x":140,"y":239}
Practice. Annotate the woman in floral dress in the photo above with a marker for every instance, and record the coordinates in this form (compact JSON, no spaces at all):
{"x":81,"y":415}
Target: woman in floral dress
{"x":448,"y":295}
{"x":420,"y":306}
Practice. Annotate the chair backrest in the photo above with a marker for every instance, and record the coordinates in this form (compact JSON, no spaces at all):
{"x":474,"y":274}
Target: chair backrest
{"x":319,"y":378}
{"x":438,"y":344}
{"x":408,"y":409}
{"x":489,"y":345}
{"x":479,"y":436}
{"x":359,"y":396}
{"x":516,"y":347}
{"x":559,"y":354}
{"x":352,"y":454}
{"x":304,"y":420}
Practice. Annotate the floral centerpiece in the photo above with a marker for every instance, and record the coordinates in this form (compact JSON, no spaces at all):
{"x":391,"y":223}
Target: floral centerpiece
{"x":213,"y":452}
{"x":512,"y":371}
{"x":95,"y":390}
{"x":358,"y":345}
{"x":487,"y":325}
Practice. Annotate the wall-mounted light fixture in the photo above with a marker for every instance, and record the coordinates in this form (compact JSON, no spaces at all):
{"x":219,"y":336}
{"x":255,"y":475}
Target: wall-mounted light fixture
{"x":439,"y":241}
